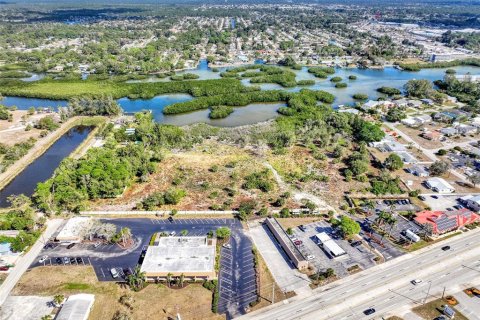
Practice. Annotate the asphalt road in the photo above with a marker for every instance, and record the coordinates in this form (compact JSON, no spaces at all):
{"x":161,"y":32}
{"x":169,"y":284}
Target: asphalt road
{"x":387,"y":287}
{"x":24,"y":262}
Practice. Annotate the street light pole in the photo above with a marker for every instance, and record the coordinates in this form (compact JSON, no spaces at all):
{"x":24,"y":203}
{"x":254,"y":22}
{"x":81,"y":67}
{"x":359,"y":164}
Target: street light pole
{"x":429,"y":286}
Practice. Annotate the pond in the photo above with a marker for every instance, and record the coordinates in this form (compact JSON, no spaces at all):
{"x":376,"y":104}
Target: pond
{"x":44,"y":166}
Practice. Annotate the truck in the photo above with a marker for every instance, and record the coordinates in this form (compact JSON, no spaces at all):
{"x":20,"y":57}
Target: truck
{"x":411,"y":235}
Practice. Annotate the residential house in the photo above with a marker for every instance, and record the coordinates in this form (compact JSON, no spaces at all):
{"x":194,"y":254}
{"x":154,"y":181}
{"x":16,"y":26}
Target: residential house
{"x":432,"y":135}
{"x":401,"y":103}
{"x":415,"y":104}
{"x":406,"y":157}
{"x":419,"y":171}
{"x":466,"y":129}
{"x":445,"y":221}
{"x":417,"y":120}
{"x":370,"y":105}
{"x":471,"y":202}
{"x":427,"y":101}
{"x":439,"y":185}
{"x":450,"y":131}
{"x":451,"y":116}
{"x":388,"y":144}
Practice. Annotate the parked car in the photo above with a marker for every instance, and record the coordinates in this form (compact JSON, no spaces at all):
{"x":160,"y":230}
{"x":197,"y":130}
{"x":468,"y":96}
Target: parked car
{"x":126,"y":272}
{"x":445,"y":248}
{"x":43,"y":259}
{"x":66,"y":260}
{"x":302,"y":227}
{"x":71,"y":245}
{"x":310,"y":257}
{"x":72,"y":260}
{"x":4,"y":268}
{"x":173,"y":233}
{"x":356,"y":243}
{"x":422,"y":198}
{"x":298,"y":242}
{"x":227,"y":245}
{"x":369,"y":311}
{"x":79,"y":260}
{"x":97,"y":244}
{"x":435,"y":197}
{"x":416,"y":281}
{"x":59,"y":260}
{"x":114,"y":273}
{"x":170,"y":219}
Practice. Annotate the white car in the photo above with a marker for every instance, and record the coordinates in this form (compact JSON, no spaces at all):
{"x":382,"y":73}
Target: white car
{"x":310,"y":257}
{"x":416,"y":281}
{"x":227,"y":245}
{"x":173,"y":233}
{"x":97,"y":244}
{"x":43,"y":259}
{"x":114,"y":273}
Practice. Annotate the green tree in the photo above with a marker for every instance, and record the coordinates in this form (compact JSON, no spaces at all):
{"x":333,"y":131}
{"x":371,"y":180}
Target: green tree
{"x":393,"y":162}
{"x":438,"y":168}
{"x":348,"y":226}
{"x":137,"y":279}
{"x":223,"y":232}
{"x":419,"y":88}
{"x":395,"y":114}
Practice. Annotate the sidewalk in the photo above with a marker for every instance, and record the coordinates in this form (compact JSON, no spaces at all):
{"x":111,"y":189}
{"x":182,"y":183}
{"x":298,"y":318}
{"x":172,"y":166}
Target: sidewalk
{"x":25,"y":261}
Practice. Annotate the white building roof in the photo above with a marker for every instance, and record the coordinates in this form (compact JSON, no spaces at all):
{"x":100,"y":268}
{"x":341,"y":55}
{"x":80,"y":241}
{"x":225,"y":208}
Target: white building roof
{"x":77,"y":307}
{"x":74,"y":228}
{"x":330,"y":244}
{"x":439,"y":184}
{"x":180,"y":254}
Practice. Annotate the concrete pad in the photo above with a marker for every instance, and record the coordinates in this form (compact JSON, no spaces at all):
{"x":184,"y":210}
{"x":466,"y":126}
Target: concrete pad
{"x":286,"y":275}
{"x":468,"y":306}
{"x":26,"y":307}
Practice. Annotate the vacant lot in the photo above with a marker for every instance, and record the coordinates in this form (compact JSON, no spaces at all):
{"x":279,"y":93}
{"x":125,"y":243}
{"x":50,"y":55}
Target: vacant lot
{"x":14,"y":132}
{"x":153,"y":302}
{"x":433,"y":309}
{"x":299,"y":168}
{"x":212,"y":176}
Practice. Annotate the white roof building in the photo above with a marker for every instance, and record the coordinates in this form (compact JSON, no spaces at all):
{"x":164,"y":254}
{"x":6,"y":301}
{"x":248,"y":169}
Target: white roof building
{"x":439,"y":185}
{"x":77,"y":307}
{"x":194,"y":257}
{"x":329,"y":245}
{"x":74,"y":230}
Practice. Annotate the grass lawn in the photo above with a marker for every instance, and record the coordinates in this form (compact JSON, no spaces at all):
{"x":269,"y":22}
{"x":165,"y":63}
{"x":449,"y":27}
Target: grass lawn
{"x":153,"y":302}
{"x":432,"y":309}
{"x":422,"y":244}
{"x":266,"y":281}
{"x":295,"y":222}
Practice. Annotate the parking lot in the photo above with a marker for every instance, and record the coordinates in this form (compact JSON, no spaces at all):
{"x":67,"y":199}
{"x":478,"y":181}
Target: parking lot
{"x":237,"y":289}
{"x":441,"y":201}
{"x":355,"y":255}
{"x":237,"y":279}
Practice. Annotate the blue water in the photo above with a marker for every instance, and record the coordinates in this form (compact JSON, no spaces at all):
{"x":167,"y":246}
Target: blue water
{"x":156,"y":104}
{"x":368,"y":80}
{"x":44,"y":166}
{"x":232,"y":23}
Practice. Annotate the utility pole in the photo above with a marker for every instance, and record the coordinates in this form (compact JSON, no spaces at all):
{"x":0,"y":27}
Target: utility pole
{"x":429,"y":286}
{"x":443,"y":294}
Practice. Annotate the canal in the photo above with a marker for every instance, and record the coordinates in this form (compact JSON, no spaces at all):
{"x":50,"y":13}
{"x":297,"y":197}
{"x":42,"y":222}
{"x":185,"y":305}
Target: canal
{"x":43,"y":167}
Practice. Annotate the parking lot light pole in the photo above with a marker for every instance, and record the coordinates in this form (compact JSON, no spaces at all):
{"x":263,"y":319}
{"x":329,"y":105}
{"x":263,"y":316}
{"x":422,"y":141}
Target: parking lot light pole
{"x":428,"y":291}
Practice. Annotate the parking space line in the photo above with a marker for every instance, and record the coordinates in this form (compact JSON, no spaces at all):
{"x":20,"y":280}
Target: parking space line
{"x":103,"y":274}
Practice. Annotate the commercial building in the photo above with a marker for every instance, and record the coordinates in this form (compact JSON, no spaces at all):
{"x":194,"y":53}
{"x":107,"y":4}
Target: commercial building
{"x":329,"y":245}
{"x":444,"y":221}
{"x":77,"y":307}
{"x":286,"y":243}
{"x":190,"y":257}
{"x":471,"y":202}
{"x":74,"y":230}
{"x":439,"y":185}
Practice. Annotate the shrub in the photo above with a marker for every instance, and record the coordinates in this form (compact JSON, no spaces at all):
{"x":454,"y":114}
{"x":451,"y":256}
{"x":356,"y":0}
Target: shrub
{"x":352,"y":77}
{"x":336,"y":79}
{"x":360,"y":96}
{"x":341,"y":85}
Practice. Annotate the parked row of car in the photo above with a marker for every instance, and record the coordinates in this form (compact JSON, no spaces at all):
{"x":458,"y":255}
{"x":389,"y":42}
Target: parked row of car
{"x":63,"y":261}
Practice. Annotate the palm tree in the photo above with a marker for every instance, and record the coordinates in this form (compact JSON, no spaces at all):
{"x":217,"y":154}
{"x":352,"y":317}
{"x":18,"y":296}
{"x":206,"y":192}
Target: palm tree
{"x":126,"y":235}
{"x":137,"y":279}
{"x":46,"y":317}
{"x":182,"y":278}
{"x":169,"y":278}
{"x":58,"y":299}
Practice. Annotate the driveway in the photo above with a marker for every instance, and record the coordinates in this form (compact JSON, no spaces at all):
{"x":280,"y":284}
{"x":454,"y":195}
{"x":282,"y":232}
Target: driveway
{"x":283,"y":271}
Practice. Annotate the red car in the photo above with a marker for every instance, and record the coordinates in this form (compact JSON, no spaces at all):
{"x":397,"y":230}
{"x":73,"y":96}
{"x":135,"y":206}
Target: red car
{"x":298,"y":242}
{"x":4,"y":268}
